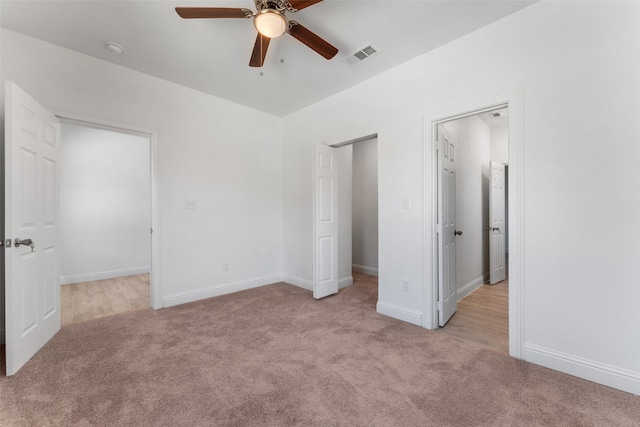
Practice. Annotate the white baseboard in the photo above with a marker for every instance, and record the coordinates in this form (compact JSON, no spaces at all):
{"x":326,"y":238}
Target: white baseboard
{"x":371,"y":271}
{"x":345,"y":281}
{"x":215,"y":291}
{"x":400,"y":313}
{"x":470,"y":287}
{"x":597,"y":372}
{"x":308,"y":285}
{"x":103,"y":275}
{"x":296,"y":281}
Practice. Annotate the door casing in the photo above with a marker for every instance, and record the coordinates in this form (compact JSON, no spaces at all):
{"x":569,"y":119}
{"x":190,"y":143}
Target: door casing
{"x":156,"y":297}
{"x":512,"y":100}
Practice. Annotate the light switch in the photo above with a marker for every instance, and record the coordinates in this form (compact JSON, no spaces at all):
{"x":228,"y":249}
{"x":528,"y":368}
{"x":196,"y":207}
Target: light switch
{"x":191,"y":205}
{"x":406,"y":203}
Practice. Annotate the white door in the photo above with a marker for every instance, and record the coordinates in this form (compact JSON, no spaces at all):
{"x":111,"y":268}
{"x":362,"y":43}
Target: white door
{"x":32,"y":278}
{"x":325,"y":215}
{"x":497,"y":196}
{"x":447,"y":292}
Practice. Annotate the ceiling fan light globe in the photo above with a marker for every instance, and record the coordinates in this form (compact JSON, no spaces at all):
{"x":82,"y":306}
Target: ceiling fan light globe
{"x":270,"y":23}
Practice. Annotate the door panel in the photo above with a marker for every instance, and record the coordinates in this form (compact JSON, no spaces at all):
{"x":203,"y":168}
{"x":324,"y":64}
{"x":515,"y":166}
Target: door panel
{"x":325,"y":274}
{"x":447,"y":291}
{"x":497,"y":196}
{"x":32,"y":278}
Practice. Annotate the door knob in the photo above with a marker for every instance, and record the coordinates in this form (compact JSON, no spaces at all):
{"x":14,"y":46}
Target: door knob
{"x":458,"y":233}
{"x":26,"y":242}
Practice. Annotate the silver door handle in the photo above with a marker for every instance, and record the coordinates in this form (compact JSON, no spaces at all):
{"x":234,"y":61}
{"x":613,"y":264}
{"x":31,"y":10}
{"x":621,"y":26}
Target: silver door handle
{"x":458,"y":233}
{"x":493,"y":228}
{"x":26,"y":242}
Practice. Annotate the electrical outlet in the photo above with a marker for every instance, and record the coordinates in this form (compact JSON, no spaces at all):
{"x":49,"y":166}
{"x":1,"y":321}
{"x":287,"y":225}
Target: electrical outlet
{"x":405,"y":285}
{"x":225,"y":266}
{"x":191,"y":205}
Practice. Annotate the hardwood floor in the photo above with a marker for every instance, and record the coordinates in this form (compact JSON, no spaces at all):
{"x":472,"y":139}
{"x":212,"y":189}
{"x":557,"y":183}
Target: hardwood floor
{"x":483,"y":317}
{"x":90,"y":300}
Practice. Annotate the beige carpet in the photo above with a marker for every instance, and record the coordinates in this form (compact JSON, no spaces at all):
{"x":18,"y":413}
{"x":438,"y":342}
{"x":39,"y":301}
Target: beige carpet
{"x":273,"y":356}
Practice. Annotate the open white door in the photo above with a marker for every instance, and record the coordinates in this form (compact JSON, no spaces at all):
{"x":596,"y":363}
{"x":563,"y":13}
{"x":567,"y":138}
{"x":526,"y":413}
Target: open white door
{"x":447,"y":293}
{"x":325,"y":216}
{"x":32,"y":278}
{"x":497,"y":196}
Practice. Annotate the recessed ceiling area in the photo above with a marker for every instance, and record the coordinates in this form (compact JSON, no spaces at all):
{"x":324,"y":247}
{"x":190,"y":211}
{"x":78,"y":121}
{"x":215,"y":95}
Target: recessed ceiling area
{"x":496,"y":118}
{"x":212,"y":55}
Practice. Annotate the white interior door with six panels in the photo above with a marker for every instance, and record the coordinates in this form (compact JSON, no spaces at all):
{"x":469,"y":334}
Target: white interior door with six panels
{"x":32,"y":277}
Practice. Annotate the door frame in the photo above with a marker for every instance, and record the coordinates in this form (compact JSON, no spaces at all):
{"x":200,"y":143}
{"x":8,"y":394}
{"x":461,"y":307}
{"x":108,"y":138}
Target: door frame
{"x":155,"y":289}
{"x":512,"y":100}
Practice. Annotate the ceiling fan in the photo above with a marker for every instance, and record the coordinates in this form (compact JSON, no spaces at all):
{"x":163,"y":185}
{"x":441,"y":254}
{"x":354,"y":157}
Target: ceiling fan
{"x":270,"y":21}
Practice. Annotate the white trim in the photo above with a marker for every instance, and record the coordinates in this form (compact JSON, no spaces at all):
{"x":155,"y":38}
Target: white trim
{"x":345,"y":281}
{"x":371,"y":271}
{"x":155,"y":286}
{"x":308,"y":285}
{"x":600,"y":373}
{"x":514,"y":101}
{"x":218,"y":290}
{"x":296,"y":281}
{"x":470,"y":287}
{"x":400,"y":313}
{"x":102,"y":275}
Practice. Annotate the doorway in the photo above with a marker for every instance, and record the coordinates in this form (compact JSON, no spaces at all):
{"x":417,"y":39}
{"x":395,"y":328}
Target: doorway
{"x":514,"y":102}
{"x":364,"y":219}
{"x":351,"y":166}
{"x":480,"y":284}
{"x":364,"y":202}
{"x":105,"y":221}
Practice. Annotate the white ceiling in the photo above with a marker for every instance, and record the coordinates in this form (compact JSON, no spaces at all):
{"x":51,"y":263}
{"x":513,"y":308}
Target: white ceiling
{"x":212,"y":55}
{"x":494,"y":120}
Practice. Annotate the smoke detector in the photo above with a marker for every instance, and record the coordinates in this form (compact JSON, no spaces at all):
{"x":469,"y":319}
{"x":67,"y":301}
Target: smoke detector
{"x":114,"y":48}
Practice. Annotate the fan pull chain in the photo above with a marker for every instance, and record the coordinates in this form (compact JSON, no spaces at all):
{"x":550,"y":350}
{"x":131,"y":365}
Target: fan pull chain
{"x":281,"y":48}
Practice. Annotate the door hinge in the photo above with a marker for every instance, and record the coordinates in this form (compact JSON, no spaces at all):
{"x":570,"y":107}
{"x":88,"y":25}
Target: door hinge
{"x":436,"y":145}
{"x":439,"y":228}
{"x":439,"y":306}
{"x":6,"y":244}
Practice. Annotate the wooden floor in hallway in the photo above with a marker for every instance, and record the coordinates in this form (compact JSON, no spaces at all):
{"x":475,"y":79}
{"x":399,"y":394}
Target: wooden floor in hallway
{"x":91,"y":300}
{"x":483,"y":317}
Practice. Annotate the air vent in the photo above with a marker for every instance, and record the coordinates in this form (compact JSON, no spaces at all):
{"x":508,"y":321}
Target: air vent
{"x":362,"y":55}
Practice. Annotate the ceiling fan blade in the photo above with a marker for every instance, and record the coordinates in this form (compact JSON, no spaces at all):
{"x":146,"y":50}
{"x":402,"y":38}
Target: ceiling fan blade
{"x":213,"y":12}
{"x":301,"y":4}
{"x":312,"y":40}
{"x":259,"y":51}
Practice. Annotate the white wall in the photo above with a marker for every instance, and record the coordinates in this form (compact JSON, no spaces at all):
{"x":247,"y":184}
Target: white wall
{"x":579,"y":76}
{"x":105,"y":193}
{"x":473,"y":153}
{"x":365,"y":206}
{"x":225,"y":156}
